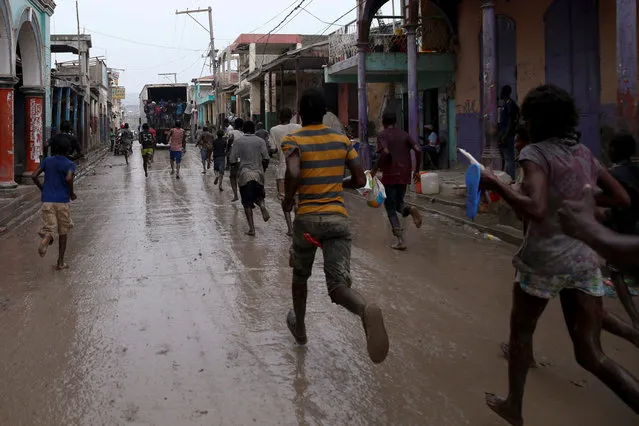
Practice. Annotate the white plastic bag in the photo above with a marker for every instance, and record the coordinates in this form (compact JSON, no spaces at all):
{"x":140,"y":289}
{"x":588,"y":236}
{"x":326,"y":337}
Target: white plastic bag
{"x":374,"y":191}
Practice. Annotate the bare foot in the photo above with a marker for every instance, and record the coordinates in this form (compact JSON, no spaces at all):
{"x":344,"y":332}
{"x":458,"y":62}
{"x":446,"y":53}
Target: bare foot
{"x":44,"y":246}
{"x":289,"y":233}
{"x":417,"y":217}
{"x":399,"y":246}
{"x":504,"y":410}
{"x":265,"y":214}
{"x":376,"y":336}
{"x":61,"y":266}
{"x":251,"y":232}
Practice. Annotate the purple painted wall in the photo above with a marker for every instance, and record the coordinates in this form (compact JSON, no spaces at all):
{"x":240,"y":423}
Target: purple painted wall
{"x":572,"y":60}
{"x":469,"y":134}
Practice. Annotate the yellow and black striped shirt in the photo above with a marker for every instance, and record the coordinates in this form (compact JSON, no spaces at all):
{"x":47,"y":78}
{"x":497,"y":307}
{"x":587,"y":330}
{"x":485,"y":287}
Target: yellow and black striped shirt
{"x":323,"y":152}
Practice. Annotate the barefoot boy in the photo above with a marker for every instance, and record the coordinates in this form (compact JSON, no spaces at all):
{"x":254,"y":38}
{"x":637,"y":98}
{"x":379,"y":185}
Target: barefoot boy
{"x":57,"y":192}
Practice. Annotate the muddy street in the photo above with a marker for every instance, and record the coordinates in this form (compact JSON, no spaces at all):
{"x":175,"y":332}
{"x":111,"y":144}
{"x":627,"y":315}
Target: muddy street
{"x":170,"y":315}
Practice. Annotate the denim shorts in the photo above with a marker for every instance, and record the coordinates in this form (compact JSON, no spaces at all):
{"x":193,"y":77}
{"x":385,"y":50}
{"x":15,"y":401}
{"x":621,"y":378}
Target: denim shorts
{"x":334,"y":234}
{"x":176,"y":156}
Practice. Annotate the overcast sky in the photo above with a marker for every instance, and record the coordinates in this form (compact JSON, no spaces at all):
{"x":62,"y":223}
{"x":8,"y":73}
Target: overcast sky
{"x":145,"y":37}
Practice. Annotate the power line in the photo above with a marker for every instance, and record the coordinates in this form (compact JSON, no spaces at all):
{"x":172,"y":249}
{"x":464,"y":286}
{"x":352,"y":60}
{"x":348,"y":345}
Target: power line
{"x":268,"y":36}
{"x":141,"y":42}
{"x":333,"y":23}
{"x":273,"y":18}
{"x":318,"y":18}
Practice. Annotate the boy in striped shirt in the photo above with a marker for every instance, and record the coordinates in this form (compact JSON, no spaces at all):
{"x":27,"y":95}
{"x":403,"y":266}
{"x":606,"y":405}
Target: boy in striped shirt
{"x":316,"y":157}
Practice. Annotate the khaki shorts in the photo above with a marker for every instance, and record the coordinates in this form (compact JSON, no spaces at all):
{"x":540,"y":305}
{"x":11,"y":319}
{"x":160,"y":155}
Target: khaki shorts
{"x":56,"y":218}
{"x":333,"y":232}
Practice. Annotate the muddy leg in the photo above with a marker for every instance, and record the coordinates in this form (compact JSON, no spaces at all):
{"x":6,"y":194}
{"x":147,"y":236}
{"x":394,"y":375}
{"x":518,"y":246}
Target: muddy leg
{"x":624,"y":296}
{"x":249,"y":218}
{"x":617,"y":326}
{"x":172,"y":166}
{"x":62,"y":248}
{"x":526,"y":310}
{"x":289,"y":223}
{"x":145,"y":164}
{"x":583,"y":316}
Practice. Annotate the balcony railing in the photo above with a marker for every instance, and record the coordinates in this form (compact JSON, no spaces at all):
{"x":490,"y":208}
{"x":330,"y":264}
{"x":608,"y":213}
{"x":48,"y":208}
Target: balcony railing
{"x":433,"y":35}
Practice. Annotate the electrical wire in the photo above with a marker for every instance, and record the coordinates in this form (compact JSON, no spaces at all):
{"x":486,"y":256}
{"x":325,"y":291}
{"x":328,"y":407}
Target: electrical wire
{"x":318,"y":18}
{"x":141,"y":42}
{"x":333,"y":23}
{"x":268,"y":35}
{"x":273,"y":18}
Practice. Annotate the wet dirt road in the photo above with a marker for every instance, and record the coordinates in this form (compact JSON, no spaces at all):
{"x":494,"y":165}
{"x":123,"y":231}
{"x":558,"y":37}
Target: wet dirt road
{"x":170,"y":315}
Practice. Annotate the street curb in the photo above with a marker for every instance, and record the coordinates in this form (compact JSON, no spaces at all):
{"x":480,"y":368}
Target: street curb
{"x":32,"y":207}
{"x":502,"y":235}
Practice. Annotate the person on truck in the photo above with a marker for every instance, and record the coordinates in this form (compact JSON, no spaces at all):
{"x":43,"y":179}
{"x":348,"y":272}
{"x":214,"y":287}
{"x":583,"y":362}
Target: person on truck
{"x":179,"y":110}
{"x":188,"y":113}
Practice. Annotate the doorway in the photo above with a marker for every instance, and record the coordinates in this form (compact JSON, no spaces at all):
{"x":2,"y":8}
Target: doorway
{"x":572,"y":60}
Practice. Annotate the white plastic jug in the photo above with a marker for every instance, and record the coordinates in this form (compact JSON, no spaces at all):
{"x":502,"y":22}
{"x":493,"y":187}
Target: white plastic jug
{"x":430,"y":183}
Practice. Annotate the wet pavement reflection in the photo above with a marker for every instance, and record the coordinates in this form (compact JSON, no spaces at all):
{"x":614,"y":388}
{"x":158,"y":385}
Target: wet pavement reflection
{"x":170,"y":315}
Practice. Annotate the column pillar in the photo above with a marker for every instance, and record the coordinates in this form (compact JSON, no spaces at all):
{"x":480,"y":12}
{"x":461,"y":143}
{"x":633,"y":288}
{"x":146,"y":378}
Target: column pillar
{"x":273,"y":91}
{"x":75,"y":112}
{"x":362,"y":105}
{"x":58,"y":114}
{"x":490,"y":156}
{"x":7,"y":92}
{"x":67,"y":110}
{"x":627,"y":65}
{"x":298,"y":83}
{"x":34,"y":101}
{"x":267,"y":101}
{"x":413,"y":90}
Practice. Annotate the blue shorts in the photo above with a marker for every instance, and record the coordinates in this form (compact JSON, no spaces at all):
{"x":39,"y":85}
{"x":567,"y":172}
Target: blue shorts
{"x":176,"y":156}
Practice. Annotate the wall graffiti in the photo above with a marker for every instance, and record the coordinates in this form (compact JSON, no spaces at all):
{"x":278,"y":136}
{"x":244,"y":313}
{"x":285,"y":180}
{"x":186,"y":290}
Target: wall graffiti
{"x":468,"y":107}
{"x":35,"y":129}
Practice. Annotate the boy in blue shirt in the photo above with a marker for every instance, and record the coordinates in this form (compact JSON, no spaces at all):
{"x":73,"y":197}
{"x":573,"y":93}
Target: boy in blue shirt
{"x":57,"y":192}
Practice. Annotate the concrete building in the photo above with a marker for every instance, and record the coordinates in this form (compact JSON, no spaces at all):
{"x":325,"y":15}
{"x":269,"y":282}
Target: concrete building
{"x":444,"y":62}
{"x":70,"y":81}
{"x":25,"y":61}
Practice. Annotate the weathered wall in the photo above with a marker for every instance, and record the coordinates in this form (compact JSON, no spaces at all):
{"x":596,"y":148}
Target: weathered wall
{"x":531,"y":63}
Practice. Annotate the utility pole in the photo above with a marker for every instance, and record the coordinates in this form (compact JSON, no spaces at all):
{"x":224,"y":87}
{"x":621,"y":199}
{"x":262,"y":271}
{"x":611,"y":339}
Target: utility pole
{"x":212,"y":51}
{"x":168,"y":74}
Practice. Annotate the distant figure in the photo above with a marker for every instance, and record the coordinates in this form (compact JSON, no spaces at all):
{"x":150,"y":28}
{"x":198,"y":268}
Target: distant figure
{"x":188,"y":113}
{"x":177,"y":139}
{"x":219,"y":157}
{"x":232,"y":136}
{"x":432,"y":145}
{"x":277,"y":134}
{"x":126,"y":141}
{"x":205,"y":142}
{"x":508,"y":120}
{"x":250,"y":156}
{"x":57,"y":192}
{"x":394,"y":147}
{"x":263,"y":134}
{"x":147,"y":140}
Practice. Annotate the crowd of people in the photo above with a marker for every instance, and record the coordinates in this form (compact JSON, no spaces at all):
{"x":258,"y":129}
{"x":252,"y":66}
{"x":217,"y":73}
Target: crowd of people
{"x":165,"y":114}
{"x":574,"y":211}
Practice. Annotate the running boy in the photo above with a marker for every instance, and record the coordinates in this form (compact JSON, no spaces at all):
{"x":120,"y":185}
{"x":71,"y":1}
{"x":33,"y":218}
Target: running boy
{"x":219,"y":157}
{"x":177,"y":139}
{"x":147,"y":140}
{"x":57,"y":192}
